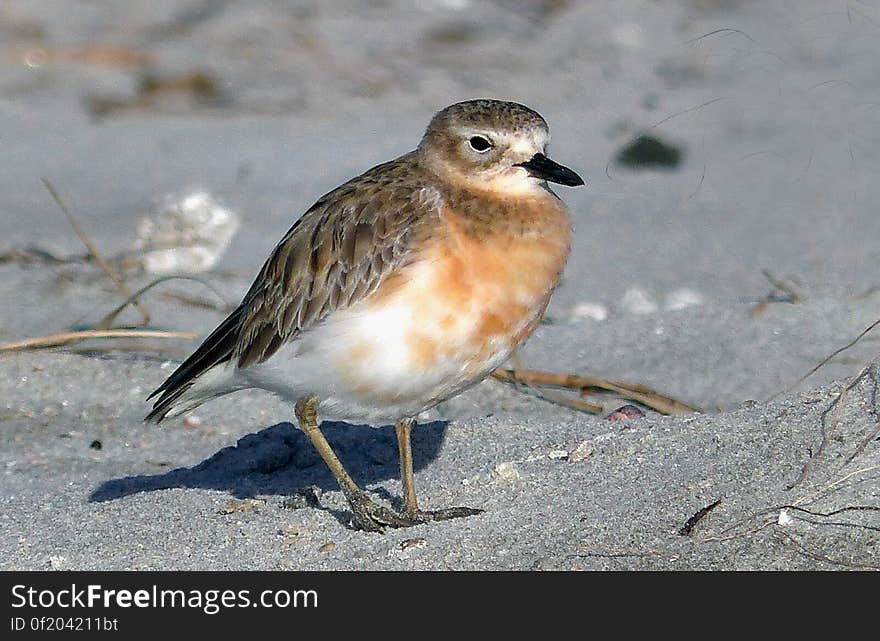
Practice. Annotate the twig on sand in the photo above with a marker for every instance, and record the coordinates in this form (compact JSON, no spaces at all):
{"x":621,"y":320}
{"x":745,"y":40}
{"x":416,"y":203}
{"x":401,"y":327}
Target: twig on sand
{"x":723,"y":536}
{"x":816,"y":556}
{"x":848,"y":508}
{"x":864,"y":443}
{"x":842,"y":510}
{"x":828,"y":434}
{"x":137,"y":345}
{"x":789,"y":294}
{"x":525,"y":386}
{"x":560,"y":399}
{"x":792,"y":296}
{"x":201,"y":303}
{"x":778,"y":520}
{"x":105,"y":266}
{"x":825,"y":361}
{"x":586,"y":384}
{"x":29,"y":255}
{"x":65,"y":338}
{"x":107,"y":321}
{"x":736,"y":531}
{"x":815,"y":496}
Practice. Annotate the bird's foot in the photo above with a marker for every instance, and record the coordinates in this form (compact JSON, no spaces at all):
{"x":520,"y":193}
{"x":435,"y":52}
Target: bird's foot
{"x":426,"y":516}
{"x":373,"y":517}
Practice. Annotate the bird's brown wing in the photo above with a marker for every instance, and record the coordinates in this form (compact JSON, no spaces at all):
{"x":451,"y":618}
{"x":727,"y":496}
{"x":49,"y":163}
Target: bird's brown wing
{"x":335,"y":255}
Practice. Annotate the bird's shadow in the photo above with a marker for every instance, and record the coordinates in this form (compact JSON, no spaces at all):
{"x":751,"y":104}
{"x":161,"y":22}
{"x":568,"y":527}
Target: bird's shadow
{"x":280,"y":460}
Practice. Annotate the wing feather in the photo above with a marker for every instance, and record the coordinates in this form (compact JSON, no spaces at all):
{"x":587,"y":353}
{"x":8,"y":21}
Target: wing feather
{"x":335,"y":255}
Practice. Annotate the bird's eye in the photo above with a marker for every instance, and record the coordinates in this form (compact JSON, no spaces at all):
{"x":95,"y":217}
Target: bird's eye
{"x":479,"y":144}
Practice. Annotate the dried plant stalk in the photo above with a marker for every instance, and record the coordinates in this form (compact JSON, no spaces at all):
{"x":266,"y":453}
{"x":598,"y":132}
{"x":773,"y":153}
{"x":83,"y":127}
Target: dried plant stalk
{"x":65,"y":338}
{"x":583,"y":384}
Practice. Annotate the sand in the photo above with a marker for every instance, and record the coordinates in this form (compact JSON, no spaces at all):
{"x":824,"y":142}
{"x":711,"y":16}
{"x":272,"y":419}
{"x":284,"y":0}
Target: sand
{"x":773,"y":108}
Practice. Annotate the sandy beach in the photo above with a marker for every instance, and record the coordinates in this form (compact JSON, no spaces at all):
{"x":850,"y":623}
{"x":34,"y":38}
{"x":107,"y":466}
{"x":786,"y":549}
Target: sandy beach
{"x":718,"y":270}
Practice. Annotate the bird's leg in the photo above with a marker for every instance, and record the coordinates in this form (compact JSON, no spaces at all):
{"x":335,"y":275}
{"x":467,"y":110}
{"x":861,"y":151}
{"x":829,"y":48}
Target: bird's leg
{"x":410,"y":502}
{"x":369,"y":515}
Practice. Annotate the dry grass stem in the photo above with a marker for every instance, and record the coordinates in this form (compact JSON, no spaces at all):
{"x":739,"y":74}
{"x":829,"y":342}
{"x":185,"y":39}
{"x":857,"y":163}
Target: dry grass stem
{"x":585,"y":384}
{"x":825,"y":361}
{"x":90,"y":246}
{"x":65,"y":338}
{"x":107,"y":321}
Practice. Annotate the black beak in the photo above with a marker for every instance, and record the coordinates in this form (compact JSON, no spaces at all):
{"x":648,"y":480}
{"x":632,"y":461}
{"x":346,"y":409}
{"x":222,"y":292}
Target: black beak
{"x":542,"y":167}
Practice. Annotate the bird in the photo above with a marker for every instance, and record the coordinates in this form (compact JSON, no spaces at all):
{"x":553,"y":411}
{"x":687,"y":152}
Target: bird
{"x":398,"y":290}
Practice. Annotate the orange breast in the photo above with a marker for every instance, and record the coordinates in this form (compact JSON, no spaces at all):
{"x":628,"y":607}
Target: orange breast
{"x":479,"y":291}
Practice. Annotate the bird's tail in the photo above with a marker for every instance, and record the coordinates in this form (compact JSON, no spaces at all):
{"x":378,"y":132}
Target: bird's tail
{"x":214,"y":382}
{"x":206,"y":374}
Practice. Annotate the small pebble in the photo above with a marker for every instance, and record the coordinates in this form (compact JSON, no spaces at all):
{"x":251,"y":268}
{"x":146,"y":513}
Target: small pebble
{"x":682,"y":299}
{"x":96,"y":445}
{"x":50,"y":411}
{"x":636,"y":301}
{"x":594,"y":311}
{"x":407,"y":544}
{"x":507,"y":472}
{"x":582,"y":452}
{"x":57,"y":562}
{"x":784,"y":518}
{"x":625,"y":413}
{"x":192,"y":421}
{"x":558,"y":455}
{"x":327,"y":547}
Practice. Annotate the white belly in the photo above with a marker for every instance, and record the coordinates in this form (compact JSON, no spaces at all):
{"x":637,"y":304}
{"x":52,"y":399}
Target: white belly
{"x":386,"y":362}
{"x":429,"y":331}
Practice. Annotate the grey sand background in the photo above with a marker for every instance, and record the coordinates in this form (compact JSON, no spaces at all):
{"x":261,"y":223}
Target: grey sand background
{"x":775,"y":108}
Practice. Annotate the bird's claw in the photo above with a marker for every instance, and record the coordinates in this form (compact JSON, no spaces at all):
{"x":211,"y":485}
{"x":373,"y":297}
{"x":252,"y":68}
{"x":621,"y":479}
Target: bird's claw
{"x":373,"y":517}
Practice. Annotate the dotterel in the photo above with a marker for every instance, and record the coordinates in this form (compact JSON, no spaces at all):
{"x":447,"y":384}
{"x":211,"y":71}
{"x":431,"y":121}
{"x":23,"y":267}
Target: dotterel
{"x":398,"y":290}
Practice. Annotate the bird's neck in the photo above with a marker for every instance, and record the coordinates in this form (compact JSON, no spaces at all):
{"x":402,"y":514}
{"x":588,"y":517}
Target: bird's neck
{"x":485,"y":211}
